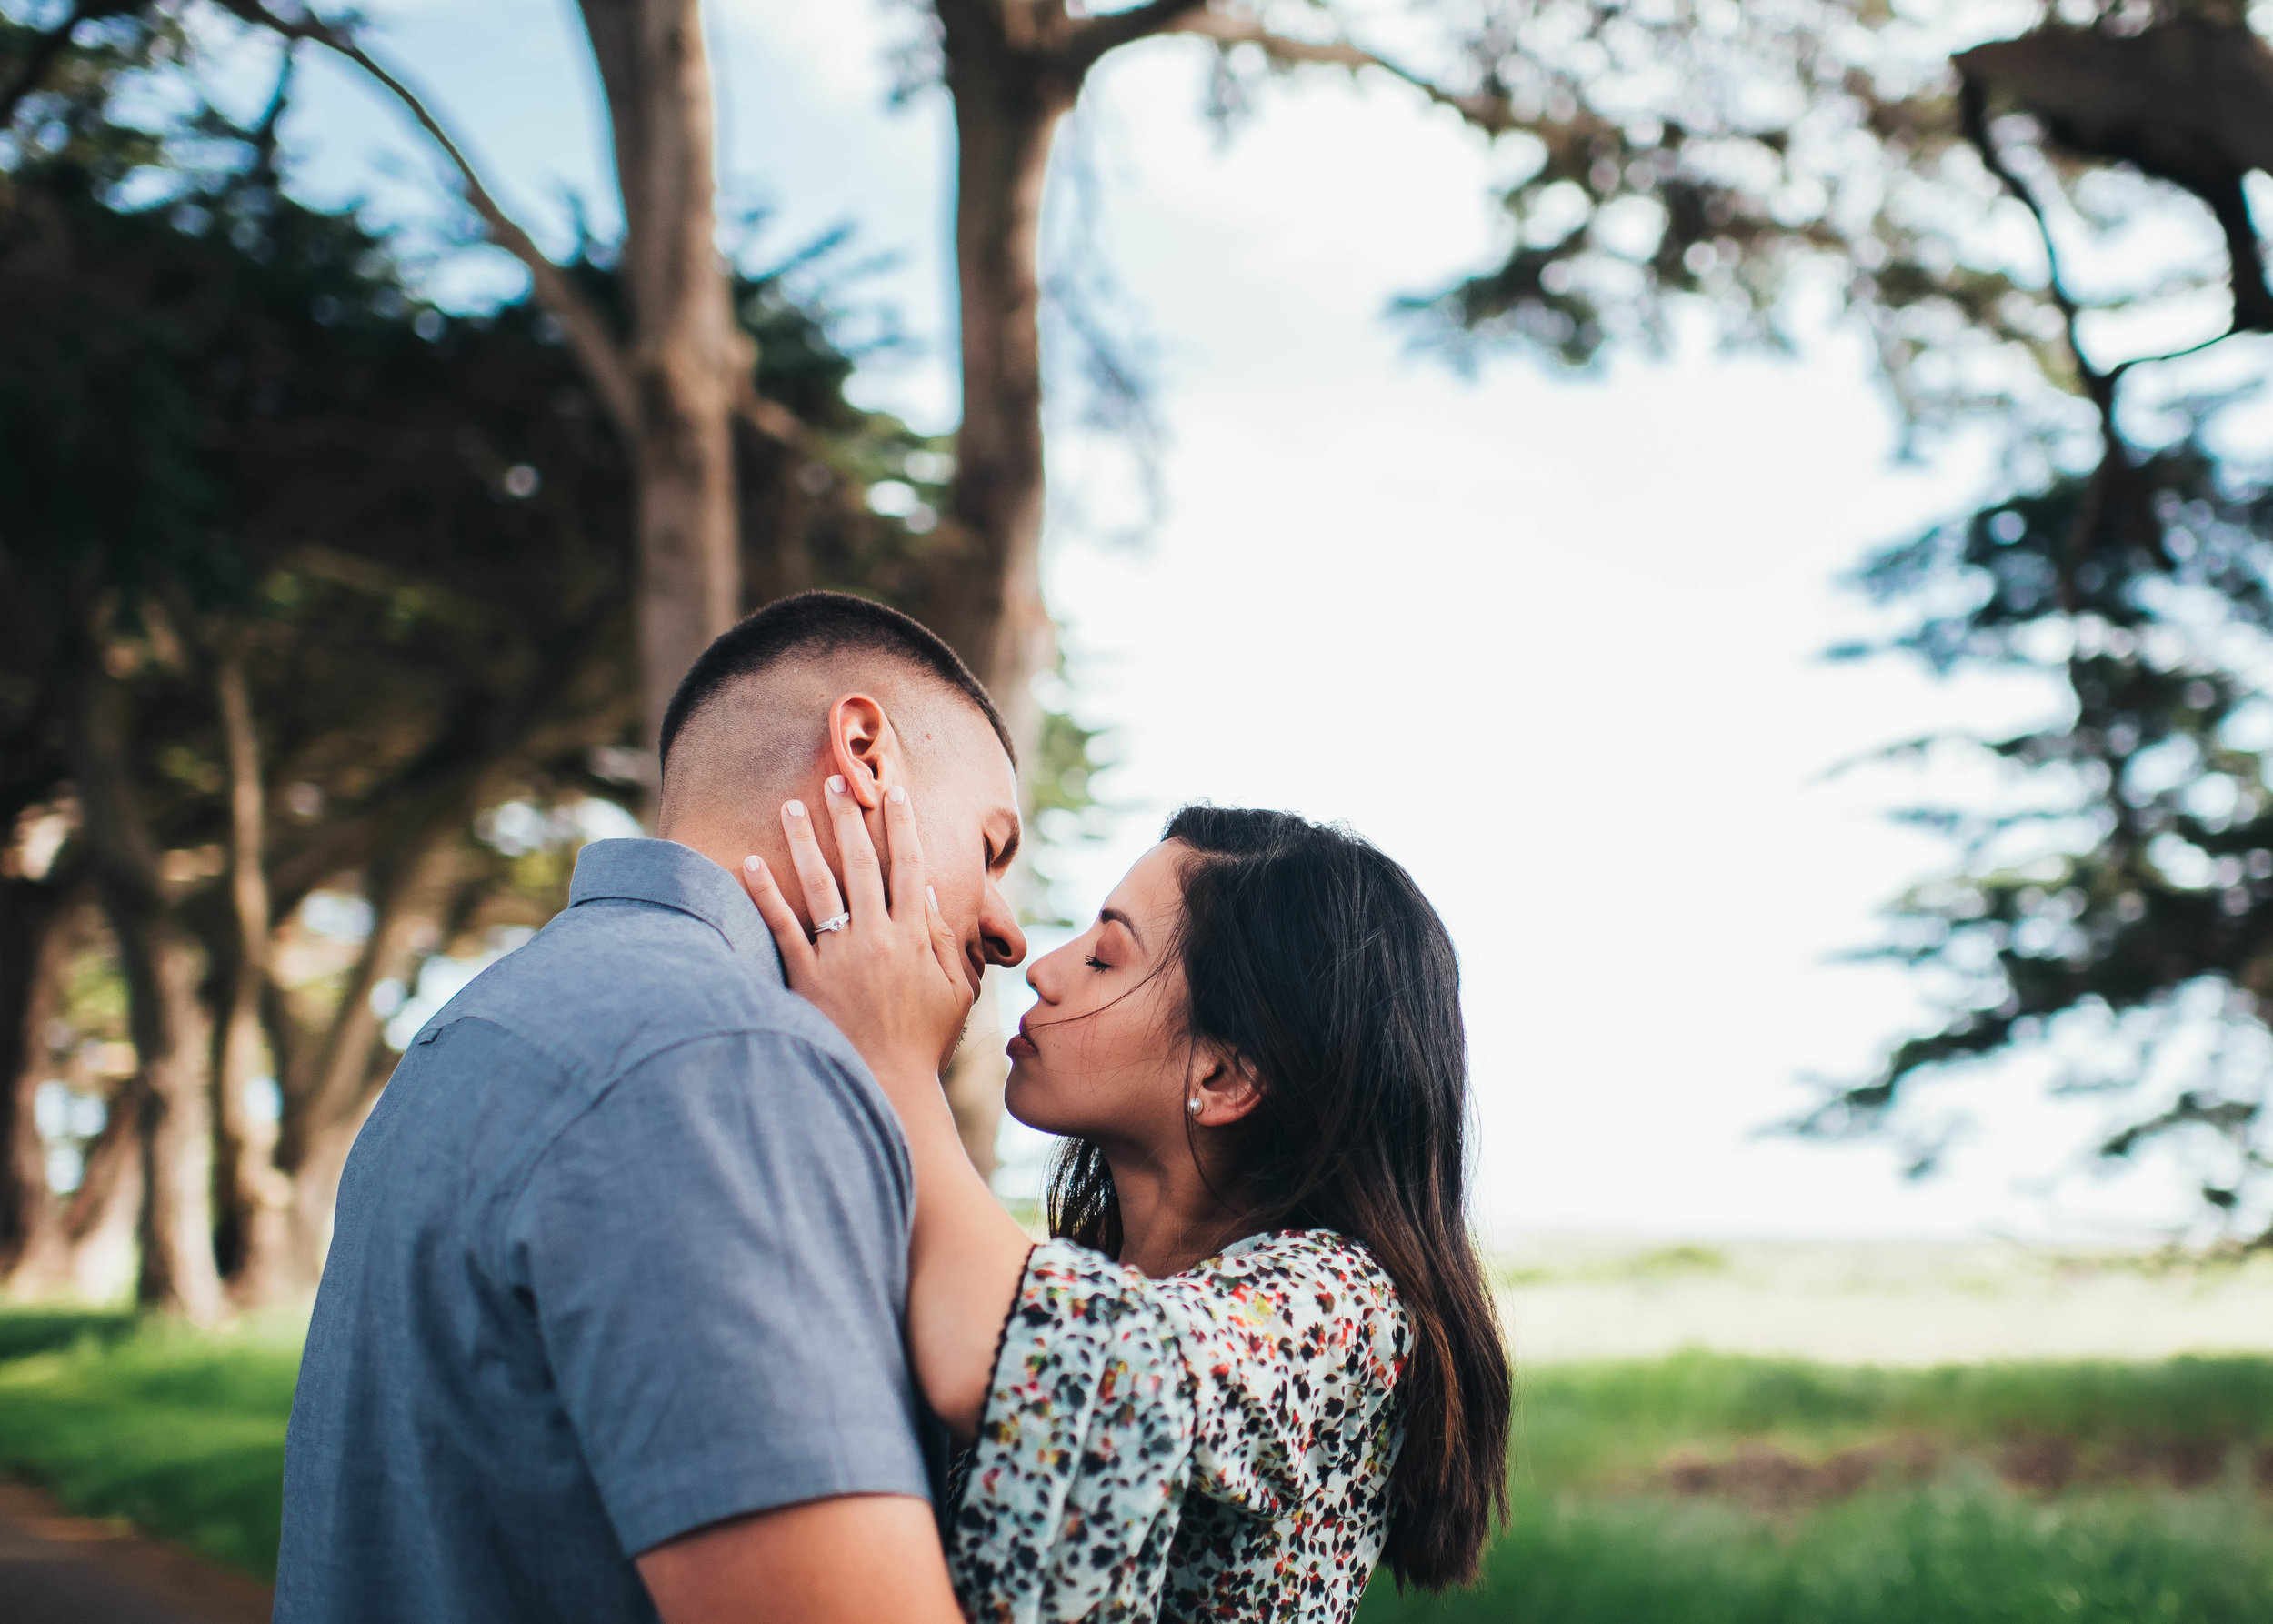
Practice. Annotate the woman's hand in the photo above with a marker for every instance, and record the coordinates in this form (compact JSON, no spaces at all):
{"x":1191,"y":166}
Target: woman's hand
{"x":892,"y":979}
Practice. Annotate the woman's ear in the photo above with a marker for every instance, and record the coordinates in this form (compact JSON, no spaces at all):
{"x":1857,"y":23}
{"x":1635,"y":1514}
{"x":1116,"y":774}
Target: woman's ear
{"x":863,"y":749}
{"x":1224,"y":1085}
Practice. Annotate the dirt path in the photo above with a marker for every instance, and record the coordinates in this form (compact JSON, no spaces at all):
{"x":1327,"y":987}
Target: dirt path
{"x":57,"y":1569}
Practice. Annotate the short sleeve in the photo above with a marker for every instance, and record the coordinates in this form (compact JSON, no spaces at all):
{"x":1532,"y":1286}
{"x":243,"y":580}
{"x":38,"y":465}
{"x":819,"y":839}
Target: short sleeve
{"x":1070,"y":1493}
{"x":716,"y":1253}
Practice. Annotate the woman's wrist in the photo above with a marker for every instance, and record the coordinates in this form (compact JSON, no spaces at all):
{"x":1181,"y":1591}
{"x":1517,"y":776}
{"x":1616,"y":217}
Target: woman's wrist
{"x":916,"y":1093}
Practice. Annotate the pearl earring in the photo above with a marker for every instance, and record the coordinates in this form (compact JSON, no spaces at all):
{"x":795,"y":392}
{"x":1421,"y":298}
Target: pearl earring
{"x":1192,"y":1105}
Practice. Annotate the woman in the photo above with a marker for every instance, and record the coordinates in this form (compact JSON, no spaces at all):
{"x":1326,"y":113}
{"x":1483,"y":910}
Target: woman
{"x":1259,"y":1356}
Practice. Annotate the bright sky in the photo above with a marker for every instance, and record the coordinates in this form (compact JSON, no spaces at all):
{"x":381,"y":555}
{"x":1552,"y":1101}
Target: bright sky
{"x":1552,"y":643}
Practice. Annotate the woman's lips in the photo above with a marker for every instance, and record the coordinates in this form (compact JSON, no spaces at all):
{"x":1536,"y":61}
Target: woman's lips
{"x":1020,"y":1046}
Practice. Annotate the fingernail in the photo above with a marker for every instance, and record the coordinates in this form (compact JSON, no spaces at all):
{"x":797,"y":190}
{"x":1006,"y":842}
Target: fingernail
{"x":935,"y":898}
{"x":795,"y":809}
{"x":897,"y":794}
{"x":750,"y":865}
{"x":837,"y":782}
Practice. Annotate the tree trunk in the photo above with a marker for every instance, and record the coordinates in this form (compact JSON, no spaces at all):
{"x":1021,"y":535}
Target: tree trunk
{"x":31,"y":941}
{"x":178,"y":1273}
{"x":326,"y":1101}
{"x":686,"y":354}
{"x":251,"y":1196}
{"x":90,"y":1254}
{"x":165,"y":1017}
{"x":83,"y":1246}
{"x":984,"y":593}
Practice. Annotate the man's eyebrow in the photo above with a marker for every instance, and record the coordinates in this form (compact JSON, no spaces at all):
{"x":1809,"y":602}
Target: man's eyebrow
{"x":1112,"y":915}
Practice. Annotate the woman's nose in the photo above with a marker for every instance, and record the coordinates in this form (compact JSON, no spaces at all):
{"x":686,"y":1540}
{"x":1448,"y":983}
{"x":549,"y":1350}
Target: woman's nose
{"x":1037,"y":977}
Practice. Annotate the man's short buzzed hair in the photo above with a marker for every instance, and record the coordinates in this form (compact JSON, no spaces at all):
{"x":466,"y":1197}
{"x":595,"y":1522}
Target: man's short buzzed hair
{"x":814,"y":624}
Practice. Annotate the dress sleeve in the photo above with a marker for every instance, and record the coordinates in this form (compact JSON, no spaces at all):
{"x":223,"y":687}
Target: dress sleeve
{"x":1115,"y":1395}
{"x":1294,"y":1348}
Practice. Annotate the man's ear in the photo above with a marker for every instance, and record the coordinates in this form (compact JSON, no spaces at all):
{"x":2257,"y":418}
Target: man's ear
{"x":864,"y":749}
{"x":1224,"y":1084}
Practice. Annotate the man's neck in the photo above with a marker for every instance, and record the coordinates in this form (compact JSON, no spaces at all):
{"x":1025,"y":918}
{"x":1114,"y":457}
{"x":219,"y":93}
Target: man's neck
{"x":727,"y":846}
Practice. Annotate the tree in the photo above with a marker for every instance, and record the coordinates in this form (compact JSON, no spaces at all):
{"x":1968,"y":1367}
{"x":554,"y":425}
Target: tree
{"x":281,"y":415}
{"x":669,"y":365}
{"x":1014,"y":68}
{"x":2110,"y":911}
{"x":666,"y":359}
{"x":299,"y":575}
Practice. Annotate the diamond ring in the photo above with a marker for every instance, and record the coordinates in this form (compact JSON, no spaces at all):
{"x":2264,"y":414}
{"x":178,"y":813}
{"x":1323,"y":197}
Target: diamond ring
{"x":838,"y":923}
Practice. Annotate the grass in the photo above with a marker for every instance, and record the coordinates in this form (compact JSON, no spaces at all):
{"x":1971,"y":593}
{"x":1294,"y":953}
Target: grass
{"x":183,"y":1434}
{"x":1587,"y":1426}
{"x":1603,"y":1534}
{"x":1967,"y":1552}
{"x":177,"y":1432}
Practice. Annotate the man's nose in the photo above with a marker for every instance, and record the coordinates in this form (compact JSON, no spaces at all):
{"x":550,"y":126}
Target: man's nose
{"x":998,"y":930}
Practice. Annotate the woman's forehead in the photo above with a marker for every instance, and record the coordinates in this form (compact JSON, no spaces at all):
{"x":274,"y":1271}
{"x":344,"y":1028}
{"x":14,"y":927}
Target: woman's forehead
{"x":1153,"y":885}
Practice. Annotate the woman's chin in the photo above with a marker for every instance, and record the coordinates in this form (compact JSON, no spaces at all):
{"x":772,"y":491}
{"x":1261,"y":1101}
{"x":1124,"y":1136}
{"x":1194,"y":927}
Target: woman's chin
{"x":1019,"y":1092}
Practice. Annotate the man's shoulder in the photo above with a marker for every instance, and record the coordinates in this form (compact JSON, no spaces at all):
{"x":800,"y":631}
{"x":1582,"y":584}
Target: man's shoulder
{"x":608,"y":985}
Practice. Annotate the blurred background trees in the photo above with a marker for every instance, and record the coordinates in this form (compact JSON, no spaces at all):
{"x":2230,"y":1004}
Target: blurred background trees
{"x":2041,"y":215}
{"x":332,"y":619}
{"x":301,"y":573}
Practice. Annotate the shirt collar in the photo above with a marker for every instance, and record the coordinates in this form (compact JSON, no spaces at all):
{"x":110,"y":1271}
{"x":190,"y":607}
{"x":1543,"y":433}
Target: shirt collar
{"x":668,"y":874}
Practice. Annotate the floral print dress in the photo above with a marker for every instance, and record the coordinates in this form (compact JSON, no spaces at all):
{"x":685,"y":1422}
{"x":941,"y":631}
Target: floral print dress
{"x":1212,"y":1446}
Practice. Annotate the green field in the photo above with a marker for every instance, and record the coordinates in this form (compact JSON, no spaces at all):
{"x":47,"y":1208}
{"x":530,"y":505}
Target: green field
{"x":1711,"y":1489}
{"x":176,"y":1431}
{"x":1692,"y":1489}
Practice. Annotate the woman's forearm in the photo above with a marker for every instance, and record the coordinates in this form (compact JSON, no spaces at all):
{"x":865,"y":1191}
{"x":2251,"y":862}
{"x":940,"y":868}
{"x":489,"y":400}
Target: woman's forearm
{"x":965,"y":1260}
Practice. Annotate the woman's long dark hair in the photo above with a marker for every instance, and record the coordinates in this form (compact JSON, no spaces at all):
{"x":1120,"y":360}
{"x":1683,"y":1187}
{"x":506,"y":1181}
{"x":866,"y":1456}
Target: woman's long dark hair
{"x":1319,"y":960}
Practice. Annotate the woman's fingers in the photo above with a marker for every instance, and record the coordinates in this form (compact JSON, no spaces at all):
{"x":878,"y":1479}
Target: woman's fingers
{"x":947,"y":948}
{"x":864,"y":873}
{"x":796,"y":953}
{"x":909,"y":885}
{"x":814,"y":878}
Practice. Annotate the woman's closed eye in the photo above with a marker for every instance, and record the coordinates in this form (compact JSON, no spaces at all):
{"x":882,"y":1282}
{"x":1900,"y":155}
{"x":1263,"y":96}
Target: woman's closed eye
{"x":1094,"y":963}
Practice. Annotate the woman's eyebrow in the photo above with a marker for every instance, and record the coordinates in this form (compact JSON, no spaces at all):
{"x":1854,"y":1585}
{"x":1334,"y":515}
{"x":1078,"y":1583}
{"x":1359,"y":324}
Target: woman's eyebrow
{"x":1112,"y":915}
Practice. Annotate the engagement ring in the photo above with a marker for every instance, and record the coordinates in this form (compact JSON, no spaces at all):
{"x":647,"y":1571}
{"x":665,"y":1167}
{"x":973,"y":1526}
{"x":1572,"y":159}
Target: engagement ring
{"x":838,"y":923}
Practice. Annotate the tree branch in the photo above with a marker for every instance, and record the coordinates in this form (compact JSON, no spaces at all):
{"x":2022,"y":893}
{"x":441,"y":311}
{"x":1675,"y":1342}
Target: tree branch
{"x":1972,"y":111}
{"x":2101,"y":498}
{"x":1486,"y":111}
{"x":598,"y":349}
{"x":1094,"y":36}
{"x":776,"y":421}
{"x":50,"y":46}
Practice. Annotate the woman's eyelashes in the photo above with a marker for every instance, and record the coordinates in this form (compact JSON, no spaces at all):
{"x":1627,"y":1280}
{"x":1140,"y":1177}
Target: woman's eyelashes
{"x":1094,"y":963}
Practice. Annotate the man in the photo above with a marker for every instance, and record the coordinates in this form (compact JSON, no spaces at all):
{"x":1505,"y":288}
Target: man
{"x":612,"y":1323}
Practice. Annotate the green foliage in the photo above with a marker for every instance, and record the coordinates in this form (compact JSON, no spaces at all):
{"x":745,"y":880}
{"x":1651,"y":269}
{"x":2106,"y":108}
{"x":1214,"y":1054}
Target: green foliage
{"x":183,"y":1433}
{"x":1063,"y":807}
{"x":232,"y":430}
{"x":2114,"y":905}
{"x":1600,"y":1537}
{"x":1959,"y":1553}
{"x":1594,"y":1424}
{"x":179,"y":1432}
{"x":1714,"y":157}
{"x":24,"y":1331}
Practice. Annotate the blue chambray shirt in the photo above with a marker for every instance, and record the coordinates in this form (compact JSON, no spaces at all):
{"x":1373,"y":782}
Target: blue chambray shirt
{"x":621,"y":1251}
